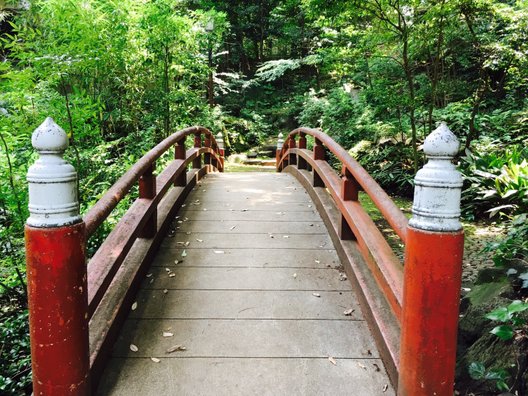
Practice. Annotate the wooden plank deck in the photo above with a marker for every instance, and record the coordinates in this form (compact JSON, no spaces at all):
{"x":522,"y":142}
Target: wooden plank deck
{"x":249,"y":284}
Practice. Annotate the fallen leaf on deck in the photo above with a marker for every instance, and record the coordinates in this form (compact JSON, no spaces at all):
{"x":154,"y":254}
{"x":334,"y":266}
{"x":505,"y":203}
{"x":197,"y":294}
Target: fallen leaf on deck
{"x":316,"y":295}
{"x":295,"y":275}
{"x":285,"y":236}
{"x":385,"y":387}
{"x":362,"y":366}
{"x":176,"y":348}
{"x":134,"y":348}
{"x":348,"y":312}
{"x":376,"y":367}
{"x":155,"y":360}
{"x":219,"y":251}
{"x":134,"y":306}
{"x":199,"y":240}
{"x":317,"y":262}
{"x":176,"y":261}
{"x":187,"y":244}
{"x":184,"y":254}
{"x":172,"y":275}
{"x":165,"y":291}
{"x":232,"y":228}
{"x":167,"y":334}
{"x":168,"y":270}
{"x":149,"y":275}
{"x":188,"y":233}
{"x":332,"y":360}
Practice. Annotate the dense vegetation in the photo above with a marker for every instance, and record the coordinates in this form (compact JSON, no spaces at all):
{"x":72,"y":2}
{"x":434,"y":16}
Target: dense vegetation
{"x":377,"y":75}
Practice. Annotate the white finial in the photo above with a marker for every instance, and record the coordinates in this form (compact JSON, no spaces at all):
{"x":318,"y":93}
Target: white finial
{"x":438,"y":185}
{"x":52,"y":181}
{"x":280,"y":141}
{"x":220,"y":140}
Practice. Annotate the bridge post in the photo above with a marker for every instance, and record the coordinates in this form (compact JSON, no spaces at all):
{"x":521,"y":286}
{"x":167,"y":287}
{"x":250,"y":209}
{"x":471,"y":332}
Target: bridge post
{"x":221,"y":152}
{"x":147,"y":190}
{"x":56,"y":270}
{"x":432,"y":273}
{"x":318,"y":154}
{"x":301,"y":162}
{"x":197,"y":162}
{"x":207,"y":156}
{"x":280,"y":143}
{"x":349,"y":192}
{"x":180,"y":154}
{"x":291,"y":144}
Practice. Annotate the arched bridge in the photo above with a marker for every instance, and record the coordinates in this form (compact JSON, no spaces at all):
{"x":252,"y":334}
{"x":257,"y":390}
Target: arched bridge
{"x":243,"y":283}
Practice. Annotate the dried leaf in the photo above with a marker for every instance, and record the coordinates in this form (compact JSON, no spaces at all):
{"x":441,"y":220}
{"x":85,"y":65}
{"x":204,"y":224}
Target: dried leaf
{"x":332,"y":360}
{"x":172,"y":275}
{"x":348,"y":312}
{"x":285,"y":236}
{"x":385,"y":388}
{"x":295,"y":275}
{"x":176,"y":261}
{"x":376,"y":367}
{"x":219,"y":251}
{"x":165,"y":291}
{"x":168,"y":269}
{"x":317,"y":261}
{"x":362,"y":366}
{"x":188,"y":233}
{"x":187,"y":243}
{"x":199,"y":240}
{"x":134,"y":348}
{"x":155,"y":360}
{"x":134,"y":306}
{"x":232,"y":228}
{"x":184,"y":254}
{"x":316,"y":295}
{"x":176,"y":348}
{"x":149,"y":275}
{"x":167,"y":334}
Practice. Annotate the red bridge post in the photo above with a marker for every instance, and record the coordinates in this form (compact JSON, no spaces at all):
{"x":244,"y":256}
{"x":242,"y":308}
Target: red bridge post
{"x":432,"y":274}
{"x":280,"y":144}
{"x":56,"y":269}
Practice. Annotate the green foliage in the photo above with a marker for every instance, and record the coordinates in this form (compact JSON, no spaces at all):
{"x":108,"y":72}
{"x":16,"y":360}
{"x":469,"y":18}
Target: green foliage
{"x":514,"y":246}
{"x":511,"y":316}
{"x":477,"y":371}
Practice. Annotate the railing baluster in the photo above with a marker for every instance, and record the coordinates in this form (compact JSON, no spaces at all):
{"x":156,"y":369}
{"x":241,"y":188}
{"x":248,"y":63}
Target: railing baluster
{"x":207,"y":156}
{"x":197,"y":162}
{"x":291,"y":144}
{"x":220,"y":143}
{"x":349,"y":192}
{"x":180,"y":154}
{"x":147,"y":190}
{"x":301,"y":162}
{"x":318,"y":154}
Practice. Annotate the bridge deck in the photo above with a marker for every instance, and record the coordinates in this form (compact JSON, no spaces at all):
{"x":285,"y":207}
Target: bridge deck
{"x":249,"y":284}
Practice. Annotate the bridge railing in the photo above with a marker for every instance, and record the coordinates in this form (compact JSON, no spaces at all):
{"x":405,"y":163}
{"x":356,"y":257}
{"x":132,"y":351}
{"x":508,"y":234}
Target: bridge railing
{"x":76,"y":310}
{"x":411,"y":307}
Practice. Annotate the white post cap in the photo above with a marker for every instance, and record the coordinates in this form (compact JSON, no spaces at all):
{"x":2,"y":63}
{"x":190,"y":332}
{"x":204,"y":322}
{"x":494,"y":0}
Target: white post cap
{"x":220,"y":140}
{"x":438,"y":185}
{"x":280,"y":141}
{"x":52,"y":181}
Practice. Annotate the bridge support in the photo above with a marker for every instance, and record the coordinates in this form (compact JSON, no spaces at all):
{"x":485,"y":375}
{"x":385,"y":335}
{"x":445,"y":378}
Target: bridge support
{"x":432,"y":274}
{"x":56,"y":268}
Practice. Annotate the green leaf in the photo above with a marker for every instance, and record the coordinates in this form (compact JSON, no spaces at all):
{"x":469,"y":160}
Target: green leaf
{"x":500,"y":314}
{"x":476,"y":370}
{"x":517,"y":306}
{"x":504,"y":332}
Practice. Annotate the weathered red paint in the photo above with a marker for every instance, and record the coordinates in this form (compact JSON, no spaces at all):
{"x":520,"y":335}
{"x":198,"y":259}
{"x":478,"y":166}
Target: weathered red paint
{"x":58,"y":310}
{"x":433,"y":273}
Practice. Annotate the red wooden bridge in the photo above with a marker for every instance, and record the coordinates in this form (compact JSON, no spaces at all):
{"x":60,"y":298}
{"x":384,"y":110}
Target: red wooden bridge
{"x":253,"y":283}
